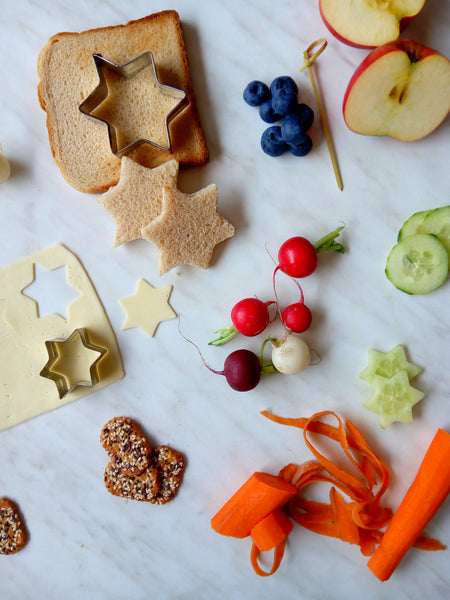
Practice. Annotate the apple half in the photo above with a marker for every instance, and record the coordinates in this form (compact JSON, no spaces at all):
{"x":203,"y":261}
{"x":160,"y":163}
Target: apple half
{"x":401,"y":89}
{"x":368,"y":23}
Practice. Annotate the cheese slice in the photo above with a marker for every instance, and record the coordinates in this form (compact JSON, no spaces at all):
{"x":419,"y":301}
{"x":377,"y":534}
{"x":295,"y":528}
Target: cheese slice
{"x":24,"y":393}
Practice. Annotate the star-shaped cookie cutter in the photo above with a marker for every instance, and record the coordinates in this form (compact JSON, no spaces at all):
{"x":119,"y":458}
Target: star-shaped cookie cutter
{"x":129,"y":70}
{"x":55,"y":353}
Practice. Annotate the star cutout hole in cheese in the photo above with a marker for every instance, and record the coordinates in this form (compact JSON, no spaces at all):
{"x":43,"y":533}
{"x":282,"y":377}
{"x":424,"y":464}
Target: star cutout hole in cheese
{"x":147,"y":307}
{"x":51,"y":291}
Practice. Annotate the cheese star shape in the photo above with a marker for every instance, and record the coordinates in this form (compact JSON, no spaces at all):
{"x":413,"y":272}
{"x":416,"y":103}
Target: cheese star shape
{"x":388,"y":364}
{"x":133,"y":103}
{"x":188,"y":228}
{"x":138,"y":197}
{"x":72,"y":362}
{"x":147,"y":307}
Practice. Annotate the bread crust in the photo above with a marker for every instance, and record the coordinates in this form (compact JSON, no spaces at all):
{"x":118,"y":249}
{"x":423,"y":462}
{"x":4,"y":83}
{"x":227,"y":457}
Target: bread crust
{"x":67,"y":75}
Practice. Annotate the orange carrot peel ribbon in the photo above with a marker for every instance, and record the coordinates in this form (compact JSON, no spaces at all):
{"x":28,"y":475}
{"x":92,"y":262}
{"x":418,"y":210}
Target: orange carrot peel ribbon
{"x":265,"y":506}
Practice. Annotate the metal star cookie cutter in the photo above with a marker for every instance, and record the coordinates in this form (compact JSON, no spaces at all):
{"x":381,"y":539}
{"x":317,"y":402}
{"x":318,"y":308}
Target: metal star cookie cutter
{"x":129,"y":70}
{"x":62,"y":380}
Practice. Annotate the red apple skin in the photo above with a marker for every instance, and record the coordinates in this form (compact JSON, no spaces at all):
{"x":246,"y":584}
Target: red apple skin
{"x":403,"y":24}
{"x":412,"y":48}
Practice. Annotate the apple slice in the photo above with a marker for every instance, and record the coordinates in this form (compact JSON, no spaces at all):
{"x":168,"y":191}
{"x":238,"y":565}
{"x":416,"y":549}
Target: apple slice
{"x":368,"y":23}
{"x":401,"y":89}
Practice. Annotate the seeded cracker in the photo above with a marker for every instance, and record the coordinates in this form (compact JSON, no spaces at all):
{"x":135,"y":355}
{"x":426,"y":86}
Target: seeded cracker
{"x":170,"y":464}
{"x":13,"y":535}
{"x":126,"y":445}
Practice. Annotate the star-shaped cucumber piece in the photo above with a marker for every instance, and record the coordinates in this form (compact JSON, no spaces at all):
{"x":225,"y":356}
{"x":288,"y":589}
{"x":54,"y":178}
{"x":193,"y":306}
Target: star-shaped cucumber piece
{"x":147,"y":307}
{"x":388,"y":364}
{"x":137,"y":199}
{"x":393,"y":398}
{"x":72,"y":362}
{"x":188,"y":228}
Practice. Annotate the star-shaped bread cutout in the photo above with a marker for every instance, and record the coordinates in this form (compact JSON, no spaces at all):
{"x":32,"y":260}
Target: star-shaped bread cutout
{"x":393,"y":398}
{"x":134,"y":104}
{"x":72,"y":362}
{"x":188,"y":228}
{"x":388,"y":364}
{"x":147,"y":307}
{"x":137,"y":199}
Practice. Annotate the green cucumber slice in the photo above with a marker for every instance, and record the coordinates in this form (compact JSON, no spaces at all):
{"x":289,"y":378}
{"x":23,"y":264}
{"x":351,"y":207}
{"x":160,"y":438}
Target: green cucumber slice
{"x":418,"y":264}
{"x":387,"y":364}
{"x":411,"y":225}
{"x":438,"y":223}
{"x":393,"y":398}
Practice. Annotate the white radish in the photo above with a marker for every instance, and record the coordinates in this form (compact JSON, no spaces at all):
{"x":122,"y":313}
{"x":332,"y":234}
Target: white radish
{"x":291,"y":354}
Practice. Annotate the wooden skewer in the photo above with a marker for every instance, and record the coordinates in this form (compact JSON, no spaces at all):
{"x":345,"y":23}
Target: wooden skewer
{"x":308,"y":63}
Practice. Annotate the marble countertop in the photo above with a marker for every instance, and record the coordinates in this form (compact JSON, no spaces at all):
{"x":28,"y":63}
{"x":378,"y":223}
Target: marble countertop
{"x":87,"y":544}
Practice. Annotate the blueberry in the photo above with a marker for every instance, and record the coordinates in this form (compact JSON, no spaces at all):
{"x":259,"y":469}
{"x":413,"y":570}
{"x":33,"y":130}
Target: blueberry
{"x":272,"y":142}
{"x":267,"y":113}
{"x":292,"y":130}
{"x":284,"y":102}
{"x":283,"y":83}
{"x":256,"y":92}
{"x":302,"y":149}
{"x":306,"y":115}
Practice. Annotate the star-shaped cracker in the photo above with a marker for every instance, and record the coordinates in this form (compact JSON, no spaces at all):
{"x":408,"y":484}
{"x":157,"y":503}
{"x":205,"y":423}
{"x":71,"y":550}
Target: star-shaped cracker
{"x":188,"y":228}
{"x":137,"y":199}
{"x":147,"y":307}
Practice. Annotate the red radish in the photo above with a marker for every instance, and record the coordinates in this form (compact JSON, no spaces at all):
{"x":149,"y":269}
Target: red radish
{"x":296,"y":317}
{"x":250,"y":317}
{"x":297,"y":256}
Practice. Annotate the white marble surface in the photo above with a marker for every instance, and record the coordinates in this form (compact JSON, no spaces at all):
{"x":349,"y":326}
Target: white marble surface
{"x":85,"y":543}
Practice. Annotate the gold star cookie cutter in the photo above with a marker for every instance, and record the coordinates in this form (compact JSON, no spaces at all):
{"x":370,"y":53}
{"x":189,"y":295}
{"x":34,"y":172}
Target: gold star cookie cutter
{"x":129,"y":70}
{"x":64,"y":365}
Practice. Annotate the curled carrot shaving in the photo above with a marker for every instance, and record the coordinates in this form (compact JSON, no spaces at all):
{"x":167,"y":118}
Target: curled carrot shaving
{"x":359,"y":521}
{"x":277,"y":558}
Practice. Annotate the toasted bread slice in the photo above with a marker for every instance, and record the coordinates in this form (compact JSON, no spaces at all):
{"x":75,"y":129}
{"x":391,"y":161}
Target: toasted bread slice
{"x":80,"y":144}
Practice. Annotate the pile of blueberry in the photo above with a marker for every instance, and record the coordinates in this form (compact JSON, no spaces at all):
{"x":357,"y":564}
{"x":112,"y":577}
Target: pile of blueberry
{"x":280,"y":103}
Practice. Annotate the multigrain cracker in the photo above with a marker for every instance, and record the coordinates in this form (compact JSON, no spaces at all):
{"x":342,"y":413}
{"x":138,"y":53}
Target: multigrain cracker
{"x":137,"y":472}
{"x":170,"y":465}
{"x":143,"y":486}
{"x":13,"y":534}
{"x":126,"y":445}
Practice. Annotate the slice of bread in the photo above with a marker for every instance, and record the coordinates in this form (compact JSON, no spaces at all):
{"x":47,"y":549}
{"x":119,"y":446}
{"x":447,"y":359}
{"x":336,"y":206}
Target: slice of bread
{"x":80,"y":144}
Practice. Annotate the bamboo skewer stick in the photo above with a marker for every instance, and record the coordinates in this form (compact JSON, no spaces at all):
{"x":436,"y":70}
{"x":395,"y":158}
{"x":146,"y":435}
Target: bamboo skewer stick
{"x":308,"y":63}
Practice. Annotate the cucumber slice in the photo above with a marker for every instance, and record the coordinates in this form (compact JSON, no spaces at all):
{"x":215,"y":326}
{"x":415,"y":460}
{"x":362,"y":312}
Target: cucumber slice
{"x":387,"y":364}
{"x":393,"y":398}
{"x":418,"y":264}
{"x":438,"y":223}
{"x":411,"y":225}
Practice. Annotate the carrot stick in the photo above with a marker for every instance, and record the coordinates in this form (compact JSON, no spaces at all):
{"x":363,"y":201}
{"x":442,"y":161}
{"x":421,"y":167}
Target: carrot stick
{"x":260,"y":495}
{"x":271,"y":530}
{"x":427,"y":492}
